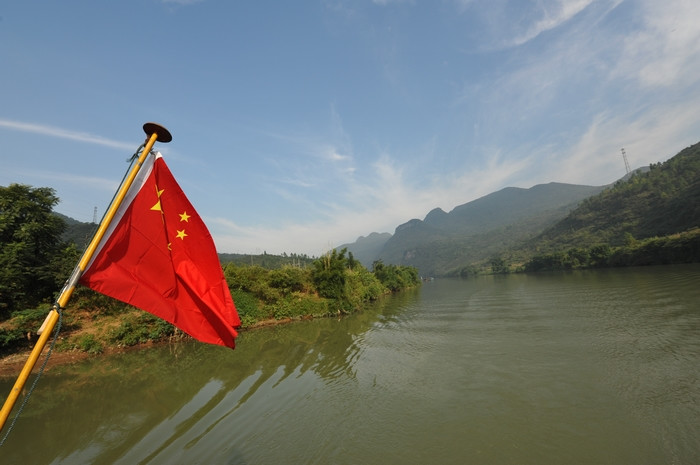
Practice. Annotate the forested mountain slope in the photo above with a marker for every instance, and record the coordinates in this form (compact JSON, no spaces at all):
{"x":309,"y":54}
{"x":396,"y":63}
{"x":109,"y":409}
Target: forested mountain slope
{"x":662,"y":201}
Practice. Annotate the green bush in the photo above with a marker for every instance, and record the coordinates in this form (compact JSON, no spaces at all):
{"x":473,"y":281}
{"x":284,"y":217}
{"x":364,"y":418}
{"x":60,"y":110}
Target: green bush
{"x":143,"y":328}
{"x":247,"y":307}
{"x":29,"y":319}
{"x":11,"y":339}
{"x":329,"y":275}
{"x":23,"y":322}
{"x":362,"y":286}
{"x":290,"y":279}
{"x":299,"y":305}
{"x":90,"y":344}
{"x":396,"y":277}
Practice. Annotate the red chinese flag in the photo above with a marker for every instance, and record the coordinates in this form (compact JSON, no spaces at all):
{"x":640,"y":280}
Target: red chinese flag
{"x":158,"y":255}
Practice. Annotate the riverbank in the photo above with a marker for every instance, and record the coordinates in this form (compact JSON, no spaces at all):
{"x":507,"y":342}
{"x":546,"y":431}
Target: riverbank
{"x":67,"y":351}
{"x":95,"y":323}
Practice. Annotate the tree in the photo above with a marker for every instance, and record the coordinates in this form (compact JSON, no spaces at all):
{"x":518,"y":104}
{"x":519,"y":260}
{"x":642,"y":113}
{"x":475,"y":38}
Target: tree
{"x":30,"y":241}
{"x":600,"y":254}
{"x":395,"y":277}
{"x":352,"y":263}
{"x":499,"y":266}
{"x":329,"y":275}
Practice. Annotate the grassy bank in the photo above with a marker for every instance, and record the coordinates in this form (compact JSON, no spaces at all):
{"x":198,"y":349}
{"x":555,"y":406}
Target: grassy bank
{"x":334,"y":285}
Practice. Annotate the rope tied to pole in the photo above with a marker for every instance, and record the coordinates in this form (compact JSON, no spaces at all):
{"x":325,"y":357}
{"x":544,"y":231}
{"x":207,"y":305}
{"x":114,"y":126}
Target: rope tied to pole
{"x":154,"y":132}
{"x":136,"y":154}
{"x":71,"y":282}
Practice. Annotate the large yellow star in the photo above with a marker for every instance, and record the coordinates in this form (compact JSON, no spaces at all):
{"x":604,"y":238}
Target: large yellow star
{"x":181,"y":234}
{"x":185,"y":217}
{"x":157,"y":206}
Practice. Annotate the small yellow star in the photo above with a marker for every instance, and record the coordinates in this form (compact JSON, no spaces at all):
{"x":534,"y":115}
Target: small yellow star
{"x":181,"y":234}
{"x":170,"y":246}
{"x":185,"y":217}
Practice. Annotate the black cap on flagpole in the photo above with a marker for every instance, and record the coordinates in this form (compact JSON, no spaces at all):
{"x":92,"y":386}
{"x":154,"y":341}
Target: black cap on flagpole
{"x":163,"y":134}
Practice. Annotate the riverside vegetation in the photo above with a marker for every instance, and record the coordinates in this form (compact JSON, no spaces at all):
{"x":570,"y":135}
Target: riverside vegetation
{"x":35,"y":260}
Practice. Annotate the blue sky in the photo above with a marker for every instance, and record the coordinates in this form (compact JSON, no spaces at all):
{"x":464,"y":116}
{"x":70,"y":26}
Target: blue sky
{"x":299,"y":126}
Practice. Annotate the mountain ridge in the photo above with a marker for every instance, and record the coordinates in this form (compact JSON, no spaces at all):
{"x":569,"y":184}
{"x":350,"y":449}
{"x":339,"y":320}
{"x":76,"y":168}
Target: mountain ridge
{"x":462,"y":233}
{"x":514,"y":224}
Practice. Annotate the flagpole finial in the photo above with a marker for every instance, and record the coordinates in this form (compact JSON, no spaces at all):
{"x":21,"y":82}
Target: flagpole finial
{"x":163,"y":134}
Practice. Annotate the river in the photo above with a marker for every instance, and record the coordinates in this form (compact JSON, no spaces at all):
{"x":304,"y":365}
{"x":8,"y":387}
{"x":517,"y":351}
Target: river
{"x":591,"y":367}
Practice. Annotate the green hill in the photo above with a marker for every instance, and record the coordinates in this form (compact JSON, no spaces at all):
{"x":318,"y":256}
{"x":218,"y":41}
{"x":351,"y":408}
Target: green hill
{"x":661,"y":201}
{"x":648,"y":219}
{"x":77,"y":232}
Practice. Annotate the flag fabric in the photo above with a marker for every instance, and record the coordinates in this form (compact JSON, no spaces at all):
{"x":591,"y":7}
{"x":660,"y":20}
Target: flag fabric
{"x":158,"y":255}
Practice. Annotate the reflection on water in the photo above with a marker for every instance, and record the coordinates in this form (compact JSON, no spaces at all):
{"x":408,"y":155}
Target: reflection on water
{"x":589,"y":367}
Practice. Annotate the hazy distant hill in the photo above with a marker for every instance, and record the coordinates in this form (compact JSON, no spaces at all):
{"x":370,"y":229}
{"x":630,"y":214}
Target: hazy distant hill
{"x":367,"y":249}
{"x":508,"y":206}
{"x":475,"y":230}
{"x":77,"y":232}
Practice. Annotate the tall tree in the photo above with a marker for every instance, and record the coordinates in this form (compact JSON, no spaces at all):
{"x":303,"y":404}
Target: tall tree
{"x":29,"y":243}
{"x":329,"y":275}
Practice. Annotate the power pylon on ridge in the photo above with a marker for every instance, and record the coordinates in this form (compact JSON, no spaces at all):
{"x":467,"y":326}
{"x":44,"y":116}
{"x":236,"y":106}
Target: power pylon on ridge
{"x":624,"y":157}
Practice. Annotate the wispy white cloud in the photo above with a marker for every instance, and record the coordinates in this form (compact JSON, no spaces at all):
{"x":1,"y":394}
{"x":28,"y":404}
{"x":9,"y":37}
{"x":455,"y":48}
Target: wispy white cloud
{"x":554,"y":14}
{"x":331,"y":153}
{"x":56,"y":178}
{"x":316,"y":165}
{"x":666,"y":50}
{"x":532,"y":80}
{"x":379,"y":202}
{"x":650,"y":138}
{"x":296,"y":182}
{"x":642,"y":91}
{"x":656,"y":71}
{"x":51,"y":131}
{"x":504,"y":24}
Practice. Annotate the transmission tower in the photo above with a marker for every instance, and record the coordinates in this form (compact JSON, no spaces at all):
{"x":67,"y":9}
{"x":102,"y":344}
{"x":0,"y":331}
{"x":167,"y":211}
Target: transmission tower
{"x":624,"y":157}
{"x":94,"y":215}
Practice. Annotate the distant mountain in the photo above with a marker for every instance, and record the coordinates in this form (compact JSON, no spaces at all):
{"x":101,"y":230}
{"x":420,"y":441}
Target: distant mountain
{"x":474,"y":231}
{"x":77,"y":232}
{"x":367,"y":249}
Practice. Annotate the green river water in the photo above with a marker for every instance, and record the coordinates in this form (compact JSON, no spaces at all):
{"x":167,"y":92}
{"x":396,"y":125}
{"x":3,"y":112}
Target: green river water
{"x":594,"y":367}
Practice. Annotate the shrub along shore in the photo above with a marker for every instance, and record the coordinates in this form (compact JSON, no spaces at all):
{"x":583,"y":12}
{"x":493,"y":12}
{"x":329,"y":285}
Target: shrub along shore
{"x":334,"y":284}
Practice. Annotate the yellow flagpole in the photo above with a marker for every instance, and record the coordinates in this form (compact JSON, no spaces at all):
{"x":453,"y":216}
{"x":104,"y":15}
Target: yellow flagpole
{"x":155,"y":132}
